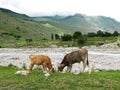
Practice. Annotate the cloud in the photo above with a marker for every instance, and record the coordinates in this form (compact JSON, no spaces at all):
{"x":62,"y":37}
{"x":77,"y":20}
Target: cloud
{"x":64,"y":7}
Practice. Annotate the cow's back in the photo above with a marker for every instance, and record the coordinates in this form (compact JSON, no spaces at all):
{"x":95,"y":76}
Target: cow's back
{"x":70,"y":58}
{"x":39,"y":59}
{"x":75,"y":56}
{"x":83,"y":53}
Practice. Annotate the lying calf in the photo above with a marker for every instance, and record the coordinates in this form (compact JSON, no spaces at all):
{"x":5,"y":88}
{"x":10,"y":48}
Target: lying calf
{"x":43,"y":60}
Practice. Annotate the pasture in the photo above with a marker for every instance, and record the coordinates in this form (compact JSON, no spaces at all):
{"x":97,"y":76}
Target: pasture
{"x":104,"y":80}
{"x":106,"y":60}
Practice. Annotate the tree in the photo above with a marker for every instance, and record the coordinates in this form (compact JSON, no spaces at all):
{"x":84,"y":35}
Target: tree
{"x":81,"y":40}
{"x":66,"y":37}
{"x":18,"y":28}
{"x":100,"y":33}
{"x":115,"y":33}
{"x":76,"y":35}
{"x":57,"y":37}
{"x":107,"y":34}
{"x":52,"y":36}
{"x":29,"y":40}
{"x":91,"y":34}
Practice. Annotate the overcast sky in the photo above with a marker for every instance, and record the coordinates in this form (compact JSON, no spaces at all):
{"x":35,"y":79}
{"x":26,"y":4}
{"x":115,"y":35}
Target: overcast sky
{"x":109,"y":8}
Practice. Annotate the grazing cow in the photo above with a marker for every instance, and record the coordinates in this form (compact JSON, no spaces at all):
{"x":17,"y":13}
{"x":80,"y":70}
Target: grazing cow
{"x":74,"y":57}
{"x":43,"y":60}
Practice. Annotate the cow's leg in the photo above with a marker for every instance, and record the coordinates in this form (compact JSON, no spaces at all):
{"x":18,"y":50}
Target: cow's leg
{"x":50,"y":67}
{"x":69,"y":68}
{"x":30,"y":67}
{"x":44,"y":66}
{"x":84,"y":65}
{"x":89,"y":70}
{"x":39,"y":67}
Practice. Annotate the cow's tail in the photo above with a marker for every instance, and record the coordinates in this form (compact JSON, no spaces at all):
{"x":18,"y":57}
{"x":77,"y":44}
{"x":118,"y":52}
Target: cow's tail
{"x":87,"y":58}
{"x":89,"y":70}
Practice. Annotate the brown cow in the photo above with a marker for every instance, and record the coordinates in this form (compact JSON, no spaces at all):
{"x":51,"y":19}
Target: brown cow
{"x":74,"y":57}
{"x":40,"y":60}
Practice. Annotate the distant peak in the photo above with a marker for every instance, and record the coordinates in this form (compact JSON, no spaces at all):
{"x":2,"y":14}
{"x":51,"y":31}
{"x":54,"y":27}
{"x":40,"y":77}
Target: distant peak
{"x":78,"y":14}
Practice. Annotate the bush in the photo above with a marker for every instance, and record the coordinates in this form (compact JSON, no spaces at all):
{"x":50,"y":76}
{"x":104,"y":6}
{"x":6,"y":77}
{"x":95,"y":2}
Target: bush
{"x":66,"y":37}
{"x":81,"y":40}
{"x":77,"y":35}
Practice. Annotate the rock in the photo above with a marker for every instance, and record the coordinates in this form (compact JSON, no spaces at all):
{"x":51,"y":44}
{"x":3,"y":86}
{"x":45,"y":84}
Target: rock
{"x":22,"y":72}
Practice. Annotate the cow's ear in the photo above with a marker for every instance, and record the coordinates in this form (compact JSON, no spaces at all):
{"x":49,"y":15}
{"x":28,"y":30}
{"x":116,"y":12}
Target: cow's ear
{"x":62,"y":65}
{"x":59,"y":65}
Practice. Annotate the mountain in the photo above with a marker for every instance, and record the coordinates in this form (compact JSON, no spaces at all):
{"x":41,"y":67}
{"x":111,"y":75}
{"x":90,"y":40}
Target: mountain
{"x":15,"y":26}
{"x":85,"y":23}
{"x":20,"y":26}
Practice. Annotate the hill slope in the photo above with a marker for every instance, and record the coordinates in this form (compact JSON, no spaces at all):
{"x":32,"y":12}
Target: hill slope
{"x":87,"y":23}
{"x":15,"y":26}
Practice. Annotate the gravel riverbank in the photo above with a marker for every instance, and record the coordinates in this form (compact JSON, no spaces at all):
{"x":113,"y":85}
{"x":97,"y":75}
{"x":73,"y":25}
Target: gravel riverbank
{"x":108,"y":59}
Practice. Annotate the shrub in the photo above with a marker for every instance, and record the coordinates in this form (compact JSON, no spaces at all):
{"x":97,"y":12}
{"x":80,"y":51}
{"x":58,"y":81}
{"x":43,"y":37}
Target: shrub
{"x":66,"y":37}
{"x":81,"y":40}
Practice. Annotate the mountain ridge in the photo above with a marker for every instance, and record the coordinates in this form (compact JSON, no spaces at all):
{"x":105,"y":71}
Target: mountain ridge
{"x":36,"y":28}
{"x":98,"y":22}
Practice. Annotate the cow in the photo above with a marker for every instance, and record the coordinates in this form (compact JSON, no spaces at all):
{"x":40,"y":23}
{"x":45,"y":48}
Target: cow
{"x":74,"y":57}
{"x":43,"y":60}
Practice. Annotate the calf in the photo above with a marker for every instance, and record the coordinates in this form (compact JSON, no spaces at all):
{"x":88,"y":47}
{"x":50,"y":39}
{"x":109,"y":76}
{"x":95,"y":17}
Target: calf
{"x":74,"y":57}
{"x":43,"y":60}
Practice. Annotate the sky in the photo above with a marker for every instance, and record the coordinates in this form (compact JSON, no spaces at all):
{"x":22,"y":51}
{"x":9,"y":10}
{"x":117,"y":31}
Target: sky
{"x":108,"y":8}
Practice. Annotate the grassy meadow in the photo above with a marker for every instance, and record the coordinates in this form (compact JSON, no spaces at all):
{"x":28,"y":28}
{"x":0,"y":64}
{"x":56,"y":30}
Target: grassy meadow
{"x":104,"y":80}
{"x":47,"y":43}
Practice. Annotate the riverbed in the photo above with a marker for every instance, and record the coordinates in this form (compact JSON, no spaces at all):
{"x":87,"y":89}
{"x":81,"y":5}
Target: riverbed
{"x":101,"y":59}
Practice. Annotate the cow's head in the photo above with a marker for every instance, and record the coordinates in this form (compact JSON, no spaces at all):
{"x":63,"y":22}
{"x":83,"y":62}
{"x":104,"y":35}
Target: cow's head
{"x":60,"y":67}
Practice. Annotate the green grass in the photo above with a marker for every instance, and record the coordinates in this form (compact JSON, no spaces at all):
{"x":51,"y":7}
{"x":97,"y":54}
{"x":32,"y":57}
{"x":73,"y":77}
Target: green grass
{"x":101,"y":38}
{"x":13,"y":43}
{"x":104,"y":80}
